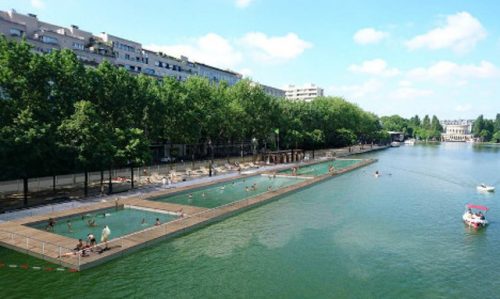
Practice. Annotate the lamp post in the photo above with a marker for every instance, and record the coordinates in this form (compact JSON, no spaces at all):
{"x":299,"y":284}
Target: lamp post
{"x":211,"y":157}
{"x":254,"y":145}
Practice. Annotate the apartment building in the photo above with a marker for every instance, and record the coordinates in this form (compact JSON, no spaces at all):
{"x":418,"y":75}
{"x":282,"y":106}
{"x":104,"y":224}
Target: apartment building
{"x":273,"y":91}
{"x":93,"y":49}
{"x":304,"y":93}
{"x":217,"y":75}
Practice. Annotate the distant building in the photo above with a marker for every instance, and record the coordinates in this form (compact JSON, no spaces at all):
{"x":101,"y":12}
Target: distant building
{"x":304,"y":93}
{"x":273,"y":91}
{"x":93,"y":49}
{"x":457,"y":130}
{"x":217,"y":75}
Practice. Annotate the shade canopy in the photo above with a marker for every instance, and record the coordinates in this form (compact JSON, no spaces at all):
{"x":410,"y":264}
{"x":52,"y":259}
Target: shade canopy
{"x":477,"y":207}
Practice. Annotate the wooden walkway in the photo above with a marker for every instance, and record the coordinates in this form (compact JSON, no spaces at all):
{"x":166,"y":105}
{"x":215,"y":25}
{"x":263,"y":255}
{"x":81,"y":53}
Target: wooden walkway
{"x":58,"y":249}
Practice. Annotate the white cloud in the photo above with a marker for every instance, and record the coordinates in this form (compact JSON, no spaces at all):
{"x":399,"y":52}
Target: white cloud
{"x":246,"y":72}
{"x":356,"y":91}
{"x":405,"y":83}
{"x":211,"y":49}
{"x":409,"y":93}
{"x":374,"y":67}
{"x":447,"y":71}
{"x":242,"y":3}
{"x":39,"y":4}
{"x":463,"y":108}
{"x":460,"y":33}
{"x":274,"y":48}
{"x":369,"y":36}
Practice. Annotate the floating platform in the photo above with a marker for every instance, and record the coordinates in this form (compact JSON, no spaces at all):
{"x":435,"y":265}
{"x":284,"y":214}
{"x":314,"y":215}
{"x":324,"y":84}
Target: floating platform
{"x":57,"y":249}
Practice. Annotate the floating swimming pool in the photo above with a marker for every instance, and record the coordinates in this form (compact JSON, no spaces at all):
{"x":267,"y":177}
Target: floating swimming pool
{"x":224,"y":193}
{"x":121,"y":222}
{"x":322,"y":168}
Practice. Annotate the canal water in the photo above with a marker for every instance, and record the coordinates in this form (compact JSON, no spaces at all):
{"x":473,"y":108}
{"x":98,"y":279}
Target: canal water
{"x":399,"y":235}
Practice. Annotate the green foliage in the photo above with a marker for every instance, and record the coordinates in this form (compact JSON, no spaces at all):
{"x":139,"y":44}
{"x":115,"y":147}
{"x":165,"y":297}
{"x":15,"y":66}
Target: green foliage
{"x":58,"y":116}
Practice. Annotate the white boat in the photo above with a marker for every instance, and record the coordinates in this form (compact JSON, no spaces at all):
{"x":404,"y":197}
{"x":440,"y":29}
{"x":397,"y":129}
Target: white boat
{"x":395,"y":143}
{"x":475,"y":220}
{"x":485,"y":188}
{"x":410,"y":142}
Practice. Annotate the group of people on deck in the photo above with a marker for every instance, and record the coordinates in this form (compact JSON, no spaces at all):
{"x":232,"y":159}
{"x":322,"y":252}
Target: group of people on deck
{"x":81,"y":248}
{"x":478,"y":215}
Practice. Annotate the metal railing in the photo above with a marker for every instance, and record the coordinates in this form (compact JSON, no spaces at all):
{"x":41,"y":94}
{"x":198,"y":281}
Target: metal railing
{"x":47,"y":250}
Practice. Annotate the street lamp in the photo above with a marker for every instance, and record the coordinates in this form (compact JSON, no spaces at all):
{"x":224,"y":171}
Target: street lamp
{"x":254,"y":145}
{"x":211,"y":156}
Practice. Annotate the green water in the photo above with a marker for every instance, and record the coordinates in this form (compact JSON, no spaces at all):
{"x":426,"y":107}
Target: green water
{"x":354,"y":236}
{"x":322,"y":168}
{"x":224,"y":193}
{"x":121,"y":222}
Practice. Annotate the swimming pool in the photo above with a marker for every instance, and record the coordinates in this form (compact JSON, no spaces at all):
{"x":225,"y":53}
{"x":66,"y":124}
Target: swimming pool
{"x":227,"y":192}
{"x":121,"y":222}
{"x":322,"y":168}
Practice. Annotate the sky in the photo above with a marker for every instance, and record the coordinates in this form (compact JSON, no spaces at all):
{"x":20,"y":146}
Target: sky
{"x":436,"y":57}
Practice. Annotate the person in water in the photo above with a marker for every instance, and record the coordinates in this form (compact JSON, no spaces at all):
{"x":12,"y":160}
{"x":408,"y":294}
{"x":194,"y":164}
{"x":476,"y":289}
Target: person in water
{"x":91,"y":223}
{"x":157,"y":222}
{"x":70,"y":226}
{"x":50,"y":225}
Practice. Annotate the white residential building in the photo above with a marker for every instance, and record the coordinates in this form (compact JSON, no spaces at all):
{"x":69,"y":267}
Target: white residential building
{"x":457,"y":130}
{"x":304,"y":93}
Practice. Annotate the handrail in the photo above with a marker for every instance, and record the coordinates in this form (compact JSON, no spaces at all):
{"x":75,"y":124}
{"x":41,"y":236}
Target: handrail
{"x":34,"y":239}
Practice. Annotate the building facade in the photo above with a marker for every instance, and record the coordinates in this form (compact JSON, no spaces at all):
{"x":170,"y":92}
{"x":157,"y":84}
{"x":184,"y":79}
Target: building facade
{"x":457,"y":130}
{"x":93,"y":49}
{"x":306,"y":93}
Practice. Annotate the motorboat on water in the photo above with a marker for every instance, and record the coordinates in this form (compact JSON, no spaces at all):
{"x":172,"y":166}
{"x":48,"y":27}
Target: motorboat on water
{"x":395,"y":144}
{"x":474,"y":217}
{"x":409,"y":142}
{"x":485,"y":188}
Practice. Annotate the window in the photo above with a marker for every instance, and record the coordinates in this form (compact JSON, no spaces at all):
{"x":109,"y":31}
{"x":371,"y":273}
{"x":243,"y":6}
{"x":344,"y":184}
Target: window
{"x":16,"y":32}
{"x":49,"y":39}
{"x":127,"y":56}
{"x":78,"y":46}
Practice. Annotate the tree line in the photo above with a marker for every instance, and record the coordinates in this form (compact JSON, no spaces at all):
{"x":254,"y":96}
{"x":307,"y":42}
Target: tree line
{"x":425,"y":129}
{"x":487,"y":129}
{"x":59,"y":116}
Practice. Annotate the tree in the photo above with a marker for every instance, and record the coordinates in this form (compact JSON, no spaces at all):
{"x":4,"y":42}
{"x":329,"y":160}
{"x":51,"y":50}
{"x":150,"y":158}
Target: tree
{"x":84,"y":134}
{"x":317,"y":137}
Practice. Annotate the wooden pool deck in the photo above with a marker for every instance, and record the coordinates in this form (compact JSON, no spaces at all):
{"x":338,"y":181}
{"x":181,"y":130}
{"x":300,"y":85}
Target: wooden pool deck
{"x":58,"y":249}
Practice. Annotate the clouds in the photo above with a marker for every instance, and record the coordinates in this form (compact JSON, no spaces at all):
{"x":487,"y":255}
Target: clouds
{"x":211,"y":49}
{"x":218,"y":51}
{"x":450,"y":72}
{"x":242,"y":3}
{"x":276,"y":48}
{"x":461,"y":33}
{"x":38,"y":4}
{"x":376,"y":67}
{"x":367,"y":36}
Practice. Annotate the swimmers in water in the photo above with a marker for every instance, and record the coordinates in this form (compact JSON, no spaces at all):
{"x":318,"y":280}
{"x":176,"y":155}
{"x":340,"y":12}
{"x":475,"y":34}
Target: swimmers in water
{"x":91,"y":223}
{"x":190,"y":195}
{"x":222,"y":188}
{"x":203,"y":195}
{"x":143,"y":221}
{"x":157,"y":222}
{"x":50,"y":225}
{"x":247,"y":189}
{"x":69,"y":225}
{"x":269,"y":188}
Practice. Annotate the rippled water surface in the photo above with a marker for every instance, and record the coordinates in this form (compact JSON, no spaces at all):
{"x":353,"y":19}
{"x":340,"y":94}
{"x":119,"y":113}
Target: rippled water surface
{"x":354,"y":236}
